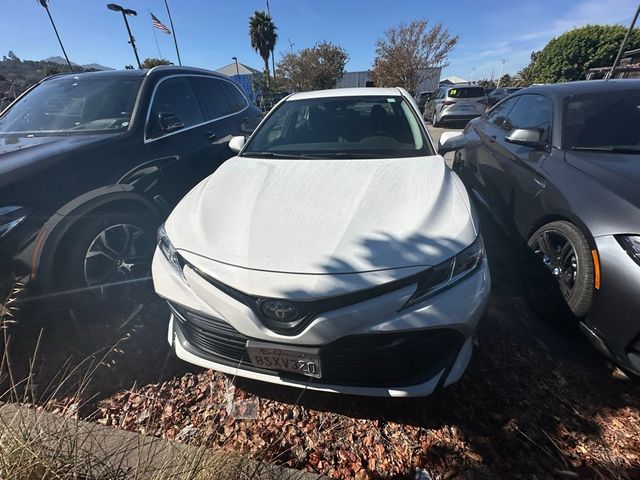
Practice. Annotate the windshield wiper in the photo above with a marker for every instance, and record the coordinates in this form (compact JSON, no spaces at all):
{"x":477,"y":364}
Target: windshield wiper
{"x":345,"y":155}
{"x":610,"y":148}
{"x":274,"y":155}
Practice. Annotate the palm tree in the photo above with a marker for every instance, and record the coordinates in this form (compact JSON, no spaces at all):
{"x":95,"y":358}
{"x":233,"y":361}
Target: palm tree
{"x":45,"y":4}
{"x":262,"y":33}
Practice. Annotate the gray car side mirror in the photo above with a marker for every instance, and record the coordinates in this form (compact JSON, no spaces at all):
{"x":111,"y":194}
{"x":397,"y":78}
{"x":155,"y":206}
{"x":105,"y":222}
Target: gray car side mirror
{"x":528,"y":137}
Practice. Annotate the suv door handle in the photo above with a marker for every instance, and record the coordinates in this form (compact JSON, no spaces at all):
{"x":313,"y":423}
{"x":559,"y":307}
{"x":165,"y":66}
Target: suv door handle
{"x":210,"y":135}
{"x":539,"y":182}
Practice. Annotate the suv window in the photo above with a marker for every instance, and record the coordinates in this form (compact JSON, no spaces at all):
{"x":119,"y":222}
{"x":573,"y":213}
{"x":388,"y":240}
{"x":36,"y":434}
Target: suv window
{"x":441,"y":93}
{"x":498,"y":114}
{"x":531,"y":111}
{"x":235,"y":98}
{"x":213,"y":97}
{"x":466,"y":92}
{"x":175,"y":95}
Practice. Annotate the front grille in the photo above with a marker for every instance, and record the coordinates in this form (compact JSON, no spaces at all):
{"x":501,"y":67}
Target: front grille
{"x":375,"y":360}
{"x":309,"y":309}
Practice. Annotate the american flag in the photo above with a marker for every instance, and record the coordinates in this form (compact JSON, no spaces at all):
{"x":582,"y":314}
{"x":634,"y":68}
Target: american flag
{"x":159,"y":25}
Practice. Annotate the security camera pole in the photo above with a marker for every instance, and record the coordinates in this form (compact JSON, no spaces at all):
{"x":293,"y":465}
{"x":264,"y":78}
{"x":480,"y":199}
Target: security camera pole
{"x":125,"y":12}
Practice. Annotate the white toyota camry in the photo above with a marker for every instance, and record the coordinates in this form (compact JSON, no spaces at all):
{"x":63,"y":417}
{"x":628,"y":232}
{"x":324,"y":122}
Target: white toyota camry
{"x":336,"y":251}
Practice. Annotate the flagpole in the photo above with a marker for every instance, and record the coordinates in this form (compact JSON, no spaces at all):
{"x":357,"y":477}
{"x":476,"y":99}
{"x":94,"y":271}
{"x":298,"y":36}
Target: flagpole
{"x":155,"y":36}
{"x":173,"y":31}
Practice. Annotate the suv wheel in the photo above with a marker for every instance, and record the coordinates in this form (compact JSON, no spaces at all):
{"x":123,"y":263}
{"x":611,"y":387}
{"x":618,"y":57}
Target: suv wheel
{"x":107,"y":257}
{"x":561,"y":268}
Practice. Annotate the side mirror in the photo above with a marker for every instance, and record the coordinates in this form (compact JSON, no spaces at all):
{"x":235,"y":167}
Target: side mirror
{"x":450,"y":141}
{"x":169,"y":122}
{"x":236,"y":144}
{"x":528,"y":137}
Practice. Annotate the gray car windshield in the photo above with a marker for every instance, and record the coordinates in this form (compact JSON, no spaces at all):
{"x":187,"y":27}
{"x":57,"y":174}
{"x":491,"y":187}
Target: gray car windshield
{"x":603,"y":121}
{"x":73,"y":105}
{"x":341,"y":127}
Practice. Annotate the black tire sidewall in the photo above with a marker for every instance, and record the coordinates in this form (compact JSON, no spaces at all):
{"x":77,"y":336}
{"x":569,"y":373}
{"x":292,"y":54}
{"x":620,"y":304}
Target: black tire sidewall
{"x":580,"y":300}
{"x":69,"y":264}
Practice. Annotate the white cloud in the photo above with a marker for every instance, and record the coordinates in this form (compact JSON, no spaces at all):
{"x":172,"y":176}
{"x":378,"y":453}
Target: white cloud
{"x":518,"y":48}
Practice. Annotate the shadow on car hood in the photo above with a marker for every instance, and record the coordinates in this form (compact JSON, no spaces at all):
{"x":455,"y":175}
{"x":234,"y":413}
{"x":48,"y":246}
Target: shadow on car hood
{"x":325,"y":216}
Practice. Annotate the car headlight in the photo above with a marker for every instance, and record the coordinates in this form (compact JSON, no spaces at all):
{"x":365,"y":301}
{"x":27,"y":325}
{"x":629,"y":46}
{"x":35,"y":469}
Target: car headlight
{"x":447,"y":273}
{"x":169,"y":251}
{"x":631,"y":243}
{"x":11,"y":217}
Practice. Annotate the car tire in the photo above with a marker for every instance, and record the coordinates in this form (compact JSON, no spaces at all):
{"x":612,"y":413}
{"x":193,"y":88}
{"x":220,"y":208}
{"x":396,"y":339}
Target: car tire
{"x":105,"y":259}
{"x":559,"y":268}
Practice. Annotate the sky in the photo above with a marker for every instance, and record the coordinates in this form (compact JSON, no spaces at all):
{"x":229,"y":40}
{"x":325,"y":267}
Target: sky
{"x":211,"y":32}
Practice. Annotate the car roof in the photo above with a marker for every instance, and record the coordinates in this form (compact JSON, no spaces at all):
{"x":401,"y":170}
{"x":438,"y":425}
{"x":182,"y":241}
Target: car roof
{"x":133,"y":73}
{"x":567,"y":89}
{"x":347,"y":92}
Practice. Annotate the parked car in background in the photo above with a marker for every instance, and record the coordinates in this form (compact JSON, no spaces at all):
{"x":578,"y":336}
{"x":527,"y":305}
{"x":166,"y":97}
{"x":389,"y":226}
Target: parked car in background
{"x":341,"y":263}
{"x":560,"y":165}
{"x":455,"y":103}
{"x":91,"y":164}
{"x":422,"y":98}
{"x":499,"y":93}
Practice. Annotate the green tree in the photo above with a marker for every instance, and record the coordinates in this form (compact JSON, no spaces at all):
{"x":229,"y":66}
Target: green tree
{"x":154,"y":62}
{"x":263,"y":36}
{"x":506,"y":80}
{"x":569,"y":56}
{"x":316,"y":68}
{"x":407,"y":52}
{"x":486,"y":83}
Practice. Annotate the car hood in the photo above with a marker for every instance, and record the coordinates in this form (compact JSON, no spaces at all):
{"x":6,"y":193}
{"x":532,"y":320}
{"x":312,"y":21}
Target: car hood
{"x":22,"y":156}
{"x":325,"y":216}
{"x":619,"y":172}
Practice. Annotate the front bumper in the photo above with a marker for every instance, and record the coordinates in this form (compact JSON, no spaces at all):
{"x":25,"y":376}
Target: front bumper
{"x":433,"y":342}
{"x":615,"y":312}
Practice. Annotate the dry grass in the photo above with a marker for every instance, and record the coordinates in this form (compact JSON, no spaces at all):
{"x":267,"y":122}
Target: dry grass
{"x":36,"y":444}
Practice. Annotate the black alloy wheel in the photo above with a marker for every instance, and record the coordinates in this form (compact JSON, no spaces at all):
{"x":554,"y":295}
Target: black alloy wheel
{"x":561,"y":263}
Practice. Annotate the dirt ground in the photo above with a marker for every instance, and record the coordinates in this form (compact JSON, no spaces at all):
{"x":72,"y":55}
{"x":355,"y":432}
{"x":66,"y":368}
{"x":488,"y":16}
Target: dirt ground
{"x":537,"y":401}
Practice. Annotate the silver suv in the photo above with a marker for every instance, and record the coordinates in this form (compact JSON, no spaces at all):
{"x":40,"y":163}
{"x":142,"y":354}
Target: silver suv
{"x":455,"y":103}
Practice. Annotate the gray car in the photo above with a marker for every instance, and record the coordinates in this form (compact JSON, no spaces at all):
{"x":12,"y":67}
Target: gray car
{"x":559,"y":165}
{"x":455,"y":103}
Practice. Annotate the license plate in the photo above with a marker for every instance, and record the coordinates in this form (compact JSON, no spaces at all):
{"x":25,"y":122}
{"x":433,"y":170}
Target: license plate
{"x":285,"y":358}
{"x":465,"y":107}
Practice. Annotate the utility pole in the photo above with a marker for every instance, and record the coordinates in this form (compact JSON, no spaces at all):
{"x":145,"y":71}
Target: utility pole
{"x":502,"y":62}
{"x":624,"y":43}
{"x":291,"y":44}
{"x":173,"y":31}
{"x":473,"y":70}
{"x":64,"y":52}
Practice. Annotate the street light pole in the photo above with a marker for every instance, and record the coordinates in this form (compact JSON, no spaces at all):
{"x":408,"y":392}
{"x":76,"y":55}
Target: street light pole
{"x":501,"y":69}
{"x":237,"y":69}
{"x":125,"y":12}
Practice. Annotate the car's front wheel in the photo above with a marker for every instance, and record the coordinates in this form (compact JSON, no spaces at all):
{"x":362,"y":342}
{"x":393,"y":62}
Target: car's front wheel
{"x":106,"y":257}
{"x":561,"y":267}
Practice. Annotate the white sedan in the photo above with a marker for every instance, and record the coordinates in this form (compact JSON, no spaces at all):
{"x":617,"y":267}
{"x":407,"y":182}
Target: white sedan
{"x":336,"y":252}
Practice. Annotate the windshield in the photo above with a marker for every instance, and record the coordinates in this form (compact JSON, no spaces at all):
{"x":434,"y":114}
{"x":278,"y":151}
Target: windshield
{"x":72,"y":104}
{"x":356,"y":127}
{"x":603,"y":120}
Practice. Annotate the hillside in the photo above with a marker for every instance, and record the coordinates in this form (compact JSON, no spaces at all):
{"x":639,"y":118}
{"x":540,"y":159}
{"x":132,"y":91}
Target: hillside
{"x":90,"y":66}
{"x":17,"y":75}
